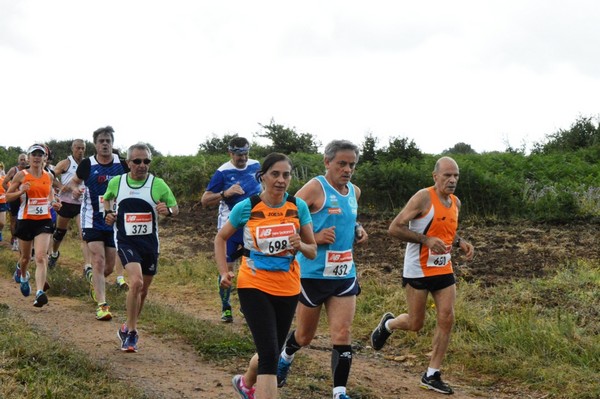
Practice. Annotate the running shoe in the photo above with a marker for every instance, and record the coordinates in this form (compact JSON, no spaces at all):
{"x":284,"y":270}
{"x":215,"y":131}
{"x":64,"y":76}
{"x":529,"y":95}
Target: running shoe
{"x":122,"y":334}
{"x":240,"y":388}
{"x":17,"y":274}
{"x":435,"y":383}
{"x":52,"y":260}
{"x":103,"y":312}
{"x":121,"y":283}
{"x":227,"y":316}
{"x":25,"y":287}
{"x":130,"y":343}
{"x":87,"y":273}
{"x":15,"y":245}
{"x":341,"y":396}
{"x":283,"y":368}
{"x":381,"y":334}
{"x":40,"y":300}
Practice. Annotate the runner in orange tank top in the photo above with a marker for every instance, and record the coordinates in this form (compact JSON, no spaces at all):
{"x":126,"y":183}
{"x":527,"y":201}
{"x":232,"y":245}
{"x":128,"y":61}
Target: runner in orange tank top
{"x":428,"y":224}
{"x":34,"y":224}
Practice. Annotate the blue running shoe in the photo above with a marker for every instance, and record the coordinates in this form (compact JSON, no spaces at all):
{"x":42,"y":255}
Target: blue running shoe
{"x":122,"y":334}
{"x":283,"y":368}
{"x":17,"y":274}
{"x":130,"y":344}
{"x":342,"y":396}
{"x":40,"y":300}
{"x":25,"y":287}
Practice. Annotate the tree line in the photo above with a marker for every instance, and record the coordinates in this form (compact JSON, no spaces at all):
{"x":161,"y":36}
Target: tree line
{"x":559,"y":181}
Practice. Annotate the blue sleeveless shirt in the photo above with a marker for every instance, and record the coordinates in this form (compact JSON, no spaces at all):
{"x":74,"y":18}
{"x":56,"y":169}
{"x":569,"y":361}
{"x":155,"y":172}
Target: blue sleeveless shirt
{"x":333,"y":261}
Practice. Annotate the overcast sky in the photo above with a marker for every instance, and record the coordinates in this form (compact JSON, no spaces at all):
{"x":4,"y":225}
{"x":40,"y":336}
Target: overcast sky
{"x":173,"y":73}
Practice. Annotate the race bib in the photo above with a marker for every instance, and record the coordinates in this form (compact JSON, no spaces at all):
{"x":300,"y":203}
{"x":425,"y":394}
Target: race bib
{"x":138,"y":224}
{"x":274,"y":239}
{"x":38,"y":206}
{"x":338,"y":263}
{"x":439,"y":259}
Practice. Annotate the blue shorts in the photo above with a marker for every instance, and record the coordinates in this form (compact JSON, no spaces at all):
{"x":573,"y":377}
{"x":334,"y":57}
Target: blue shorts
{"x":27,"y":230}
{"x":315,"y":291}
{"x":131,"y":254}
{"x":14,"y":207}
{"x":69,"y":211}
{"x":107,"y":237}
{"x":3,"y":207}
{"x":235,"y":245}
{"x":431,"y":284}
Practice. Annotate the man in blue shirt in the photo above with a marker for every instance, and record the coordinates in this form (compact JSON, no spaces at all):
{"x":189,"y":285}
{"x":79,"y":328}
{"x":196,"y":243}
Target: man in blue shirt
{"x":233,"y":182}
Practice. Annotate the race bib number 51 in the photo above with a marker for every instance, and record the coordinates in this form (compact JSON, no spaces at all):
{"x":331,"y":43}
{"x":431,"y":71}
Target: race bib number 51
{"x":439,"y":259}
{"x":274,"y":239}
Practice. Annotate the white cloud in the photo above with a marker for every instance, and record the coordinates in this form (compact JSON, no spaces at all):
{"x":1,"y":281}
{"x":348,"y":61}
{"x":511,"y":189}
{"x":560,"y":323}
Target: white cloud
{"x":174,"y":73}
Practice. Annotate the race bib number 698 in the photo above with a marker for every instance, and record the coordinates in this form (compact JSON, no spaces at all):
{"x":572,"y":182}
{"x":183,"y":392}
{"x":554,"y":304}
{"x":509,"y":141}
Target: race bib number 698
{"x":274,"y":239}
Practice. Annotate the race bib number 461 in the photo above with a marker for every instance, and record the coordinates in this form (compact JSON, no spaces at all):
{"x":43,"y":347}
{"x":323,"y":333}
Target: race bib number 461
{"x":138,"y":224}
{"x":274,"y":239}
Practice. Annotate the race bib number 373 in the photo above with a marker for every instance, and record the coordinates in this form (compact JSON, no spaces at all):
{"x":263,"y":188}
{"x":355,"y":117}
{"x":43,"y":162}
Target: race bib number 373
{"x":274,"y":239}
{"x":138,"y":224}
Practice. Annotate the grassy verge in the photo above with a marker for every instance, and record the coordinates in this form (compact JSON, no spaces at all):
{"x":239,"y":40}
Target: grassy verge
{"x":33,"y":366}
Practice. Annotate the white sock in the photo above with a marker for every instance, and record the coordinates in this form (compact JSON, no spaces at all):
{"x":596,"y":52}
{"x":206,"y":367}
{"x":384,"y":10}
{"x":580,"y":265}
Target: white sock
{"x":287,"y":357}
{"x":431,"y":371}
{"x":337,"y":391}
{"x":387,"y":327}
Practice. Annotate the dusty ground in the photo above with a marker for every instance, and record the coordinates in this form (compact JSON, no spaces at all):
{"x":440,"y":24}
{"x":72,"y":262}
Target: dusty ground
{"x":170,"y":369}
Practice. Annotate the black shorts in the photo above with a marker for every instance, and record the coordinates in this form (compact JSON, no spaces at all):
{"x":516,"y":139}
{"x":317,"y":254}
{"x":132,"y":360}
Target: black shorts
{"x":27,"y":230}
{"x":107,"y":237}
{"x":14,"y":207}
{"x":130,"y":254}
{"x":431,"y":284}
{"x":69,"y":211}
{"x":315,"y":291}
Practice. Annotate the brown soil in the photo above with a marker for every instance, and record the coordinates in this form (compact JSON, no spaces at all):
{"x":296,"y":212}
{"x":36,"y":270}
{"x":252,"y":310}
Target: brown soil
{"x":167,"y":368}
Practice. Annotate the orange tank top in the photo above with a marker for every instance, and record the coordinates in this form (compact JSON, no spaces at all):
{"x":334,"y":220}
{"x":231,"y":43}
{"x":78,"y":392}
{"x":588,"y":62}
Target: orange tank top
{"x":35,"y":203}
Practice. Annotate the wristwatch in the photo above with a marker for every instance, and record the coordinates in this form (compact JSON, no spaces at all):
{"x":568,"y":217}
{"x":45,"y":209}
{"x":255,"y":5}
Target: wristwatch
{"x":170,"y":212}
{"x":222,"y":194}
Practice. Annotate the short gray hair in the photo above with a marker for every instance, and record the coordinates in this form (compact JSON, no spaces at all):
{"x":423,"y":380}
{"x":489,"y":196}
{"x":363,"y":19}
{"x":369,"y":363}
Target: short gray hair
{"x":139,"y":146}
{"x":340,"y":145}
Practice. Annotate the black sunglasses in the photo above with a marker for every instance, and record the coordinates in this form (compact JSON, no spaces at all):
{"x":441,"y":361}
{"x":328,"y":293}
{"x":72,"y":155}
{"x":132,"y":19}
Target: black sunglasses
{"x":138,"y":161}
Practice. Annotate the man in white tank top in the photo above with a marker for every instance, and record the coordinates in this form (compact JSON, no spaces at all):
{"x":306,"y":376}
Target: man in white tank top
{"x":71,"y":207}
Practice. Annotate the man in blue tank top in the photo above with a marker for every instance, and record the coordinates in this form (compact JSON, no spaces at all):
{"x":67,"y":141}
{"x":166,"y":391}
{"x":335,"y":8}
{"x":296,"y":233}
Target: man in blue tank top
{"x":233,"y":182}
{"x":329,"y":279}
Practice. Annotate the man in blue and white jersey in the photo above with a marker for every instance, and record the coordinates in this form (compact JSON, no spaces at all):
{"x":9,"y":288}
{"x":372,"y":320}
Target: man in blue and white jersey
{"x":95,"y":172}
{"x":233,"y":182}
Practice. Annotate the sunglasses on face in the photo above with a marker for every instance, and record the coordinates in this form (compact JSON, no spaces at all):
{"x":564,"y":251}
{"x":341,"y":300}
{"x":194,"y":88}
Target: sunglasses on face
{"x":37,"y":154}
{"x":138,"y":161}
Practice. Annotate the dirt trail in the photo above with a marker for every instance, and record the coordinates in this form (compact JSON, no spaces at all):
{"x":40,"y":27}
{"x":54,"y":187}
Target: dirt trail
{"x":170,"y":369}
